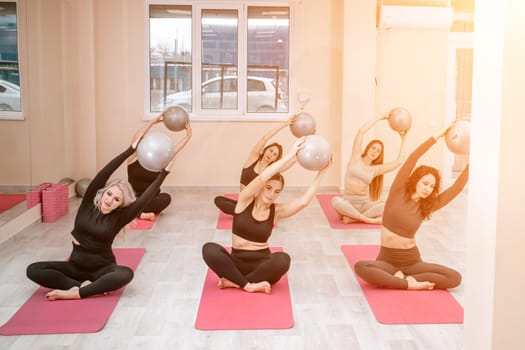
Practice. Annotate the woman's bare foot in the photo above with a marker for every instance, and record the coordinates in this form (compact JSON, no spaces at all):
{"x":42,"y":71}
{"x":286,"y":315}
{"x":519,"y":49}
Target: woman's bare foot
{"x":400,"y":274}
{"x":147,"y":216}
{"x":377,"y":220}
{"x":413,"y":284}
{"x":348,"y":220}
{"x":258,"y":287}
{"x":226,"y":283}
{"x":58,"y":294}
{"x":85,"y":283}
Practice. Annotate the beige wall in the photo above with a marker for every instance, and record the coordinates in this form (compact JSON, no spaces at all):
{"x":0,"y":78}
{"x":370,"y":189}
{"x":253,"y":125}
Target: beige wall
{"x":34,"y":150}
{"x":509,"y":303}
{"x":411,"y":72}
{"x":14,"y":153}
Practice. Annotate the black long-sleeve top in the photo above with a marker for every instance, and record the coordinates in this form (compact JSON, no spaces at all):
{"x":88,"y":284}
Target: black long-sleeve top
{"x":96,"y":231}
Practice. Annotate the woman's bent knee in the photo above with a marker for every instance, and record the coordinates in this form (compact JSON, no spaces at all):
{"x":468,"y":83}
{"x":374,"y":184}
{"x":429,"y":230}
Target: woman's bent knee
{"x":33,"y":270}
{"x":126,"y":274}
{"x":360,"y":267}
{"x":455,"y":279}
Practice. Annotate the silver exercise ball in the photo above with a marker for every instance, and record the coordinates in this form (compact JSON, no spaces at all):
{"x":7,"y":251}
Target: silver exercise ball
{"x":175,"y":118}
{"x":155,"y":151}
{"x":399,"y":119}
{"x":315,"y":154}
{"x":81,"y":186}
{"x":457,"y":137}
{"x":304,"y":125}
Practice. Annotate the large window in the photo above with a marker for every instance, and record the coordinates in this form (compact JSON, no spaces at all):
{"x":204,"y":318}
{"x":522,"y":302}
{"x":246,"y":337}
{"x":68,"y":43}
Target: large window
{"x":10,"y":98}
{"x":219,"y":62}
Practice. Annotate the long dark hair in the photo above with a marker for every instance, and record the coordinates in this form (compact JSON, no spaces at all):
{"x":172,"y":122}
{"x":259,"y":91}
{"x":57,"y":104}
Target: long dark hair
{"x":426,"y":205}
{"x":279,"y":150}
{"x":376,"y":185}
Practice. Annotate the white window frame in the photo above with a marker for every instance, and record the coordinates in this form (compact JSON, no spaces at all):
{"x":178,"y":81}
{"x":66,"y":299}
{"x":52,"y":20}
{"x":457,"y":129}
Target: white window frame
{"x":199,"y":114}
{"x":17,"y":115}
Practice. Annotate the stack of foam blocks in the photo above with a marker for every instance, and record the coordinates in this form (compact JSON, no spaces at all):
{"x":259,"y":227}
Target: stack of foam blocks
{"x":54,"y":199}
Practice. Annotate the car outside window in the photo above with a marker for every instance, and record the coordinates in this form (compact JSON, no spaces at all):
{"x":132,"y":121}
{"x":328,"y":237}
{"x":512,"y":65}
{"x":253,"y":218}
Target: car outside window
{"x":219,"y":62}
{"x":10,"y":98}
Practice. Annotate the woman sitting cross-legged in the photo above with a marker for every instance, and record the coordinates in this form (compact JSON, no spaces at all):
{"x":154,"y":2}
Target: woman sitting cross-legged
{"x":251,"y":265}
{"x":413,"y":197}
{"x":106,"y":208}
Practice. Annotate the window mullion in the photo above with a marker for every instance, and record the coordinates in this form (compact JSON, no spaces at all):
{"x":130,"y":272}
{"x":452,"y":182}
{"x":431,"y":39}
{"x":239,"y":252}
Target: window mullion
{"x":243,"y":59}
{"x":197,"y":59}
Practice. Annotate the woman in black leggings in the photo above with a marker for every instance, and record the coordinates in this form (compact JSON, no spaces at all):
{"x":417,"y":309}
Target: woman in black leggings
{"x":105,"y":209}
{"x":251,"y":266}
{"x":140,"y":178}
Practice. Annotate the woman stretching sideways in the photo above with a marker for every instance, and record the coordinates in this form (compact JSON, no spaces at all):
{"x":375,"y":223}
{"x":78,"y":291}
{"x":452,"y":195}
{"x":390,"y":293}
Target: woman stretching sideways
{"x":413,"y":197}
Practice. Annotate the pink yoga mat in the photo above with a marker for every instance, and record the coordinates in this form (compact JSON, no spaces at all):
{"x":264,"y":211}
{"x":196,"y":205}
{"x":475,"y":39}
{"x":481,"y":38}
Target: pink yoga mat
{"x":393,"y":306}
{"x":234,"y":309}
{"x":41,"y":316}
{"x":225,"y":221}
{"x":9,"y":200}
{"x":325,"y":201}
{"x":140,"y":224}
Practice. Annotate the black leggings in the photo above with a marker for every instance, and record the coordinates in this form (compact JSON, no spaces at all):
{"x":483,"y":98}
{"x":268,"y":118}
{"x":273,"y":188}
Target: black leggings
{"x":157,"y":203}
{"x":83,"y":265}
{"x":243,"y":266}
{"x":380,"y":272}
{"x":225,"y":204}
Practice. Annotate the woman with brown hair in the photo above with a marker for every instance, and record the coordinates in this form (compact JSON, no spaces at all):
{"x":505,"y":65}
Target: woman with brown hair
{"x":413,"y":197}
{"x":251,"y":265}
{"x":360,"y":201}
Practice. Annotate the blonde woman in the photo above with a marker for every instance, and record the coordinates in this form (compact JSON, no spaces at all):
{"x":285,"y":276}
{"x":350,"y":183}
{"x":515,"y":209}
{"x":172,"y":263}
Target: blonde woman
{"x":104,"y":211}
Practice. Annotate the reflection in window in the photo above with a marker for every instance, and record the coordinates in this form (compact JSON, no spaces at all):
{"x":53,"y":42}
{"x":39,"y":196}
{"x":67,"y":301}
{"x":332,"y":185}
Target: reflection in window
{"x":170,"y":56}
{"x":268,"y":48}
{"x":240,"y":53}
{"x":10,"y":99}
{"x":219,"y":58}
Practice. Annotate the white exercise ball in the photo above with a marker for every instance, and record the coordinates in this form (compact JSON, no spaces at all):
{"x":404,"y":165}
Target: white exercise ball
{"x":315,"y":153}
{"x":155,"y":151}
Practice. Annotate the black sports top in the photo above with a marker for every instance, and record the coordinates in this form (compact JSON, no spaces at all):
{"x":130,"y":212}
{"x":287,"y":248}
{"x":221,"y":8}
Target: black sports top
{"x":96,"y":231}
{"x":248,"y":174}
{"x":140,"y":178}
{"x":246,"y":226}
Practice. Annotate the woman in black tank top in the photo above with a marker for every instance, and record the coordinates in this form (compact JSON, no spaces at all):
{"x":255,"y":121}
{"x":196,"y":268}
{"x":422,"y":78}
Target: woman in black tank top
{"x":260,"y":157}
{"x":251,"y":265}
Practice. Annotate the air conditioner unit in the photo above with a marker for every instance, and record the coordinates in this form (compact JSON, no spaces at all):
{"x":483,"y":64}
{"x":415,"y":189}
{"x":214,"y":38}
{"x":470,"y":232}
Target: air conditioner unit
{"x":415,"y":17}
